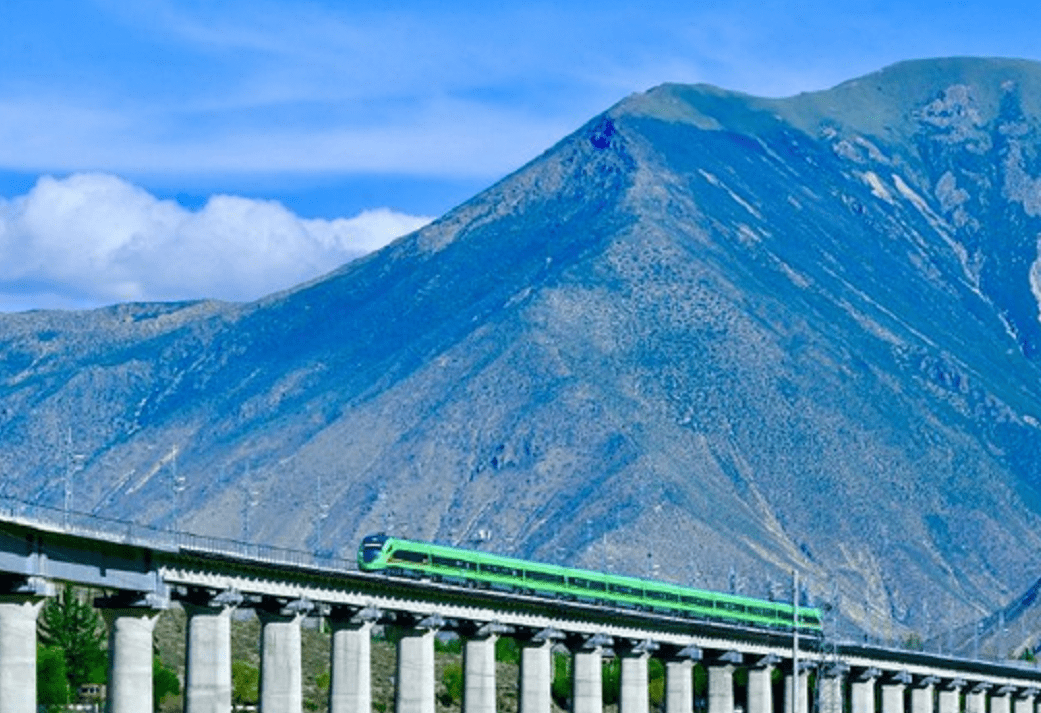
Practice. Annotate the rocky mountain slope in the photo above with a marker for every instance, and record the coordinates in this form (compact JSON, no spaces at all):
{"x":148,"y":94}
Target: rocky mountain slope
{"x":708,"y":336}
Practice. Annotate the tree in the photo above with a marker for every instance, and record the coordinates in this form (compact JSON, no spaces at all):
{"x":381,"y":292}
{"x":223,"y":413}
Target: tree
{"x":245,"y":683}
{"x":164,"y":682}
{"x":52,"y":686}
{"x":74,"y":627}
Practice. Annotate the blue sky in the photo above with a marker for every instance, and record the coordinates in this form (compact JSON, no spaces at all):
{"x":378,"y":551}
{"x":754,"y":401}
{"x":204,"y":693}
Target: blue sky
{"x":288,"y":137}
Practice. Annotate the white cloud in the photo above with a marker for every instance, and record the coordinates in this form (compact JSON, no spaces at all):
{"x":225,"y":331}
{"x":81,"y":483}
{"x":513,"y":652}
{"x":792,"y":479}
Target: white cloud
{"x":93,"y":239}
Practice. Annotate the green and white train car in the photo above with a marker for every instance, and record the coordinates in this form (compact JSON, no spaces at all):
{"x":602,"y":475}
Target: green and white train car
{"x":481,"y":569}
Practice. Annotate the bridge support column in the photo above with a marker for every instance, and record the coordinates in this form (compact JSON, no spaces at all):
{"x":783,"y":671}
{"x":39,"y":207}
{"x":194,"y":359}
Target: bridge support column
{"x":862,"y":691}
{"x":207,"y":686}
{"x":18,"y":615}
{"x":633,"y":695}
{"x":281,"y":673}
{"x":1024,"y":703}
{"x":760,"y":685}
{"x":796,"y":683}
{"x":949,"y":697}
{"x":350,"y":662}
{"x":415,"y":673}
{"x":479,"y":674}
{"x":922,"y":696}
{"x":893,"y":689}
{"x":976,"y":699}
{"x":1001,"y":701}
{"x":586,"y":675}
{"x":536,"y":672}
{"x":679,"y":686}
{"x":832,"y":684}
{"x":721,"y":682}
{"x":130,"y":658}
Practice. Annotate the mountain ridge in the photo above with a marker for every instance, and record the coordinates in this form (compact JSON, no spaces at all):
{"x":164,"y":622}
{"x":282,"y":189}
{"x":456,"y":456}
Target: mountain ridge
{"x":705,"y":333}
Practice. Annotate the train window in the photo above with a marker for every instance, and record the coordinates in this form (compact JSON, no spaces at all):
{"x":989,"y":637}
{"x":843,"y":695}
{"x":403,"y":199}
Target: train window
{"x":622,"y":589}
{"x":586,"y":583}
{"x":544,"y":577}
{"x":732,"y":606}
{"x":500,"y":570}
{"x":809,"y":618}
{"x":451,"y":562}
{"x":662,"y":596}
{"x":408,"y":556}
{"x":697,"y":601}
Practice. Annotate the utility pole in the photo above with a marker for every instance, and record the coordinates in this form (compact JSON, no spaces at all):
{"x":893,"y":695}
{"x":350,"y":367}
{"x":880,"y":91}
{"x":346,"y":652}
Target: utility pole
{"x":796,"y":681}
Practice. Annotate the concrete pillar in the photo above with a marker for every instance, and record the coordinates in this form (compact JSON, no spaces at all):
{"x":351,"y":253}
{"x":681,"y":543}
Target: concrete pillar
{"x":1001,"y":701}
{"x":18,"y":653}
{"x":586,"y":692}
{"x":790,"y":683}
{"x":415,"y":674}
{"x":536,"y":676}
{"x":1024,"y":703}
{"x":893,"y":693}
{"x":633,"y":697}
{"x":130,"y":658}
{"x":976,"y":699}
{"x":922,"y":698}
{"x":281,"y":674}
{"x":207,"y":687}
{"x":350,"y":666}
{"x":949,"y":698}
{"x":760,"y":686}
{"x":479,"y":674}
{"x":679,"y":686}
{"x":831,"y":692}
{"x":862,"y":692}
{"x":720,"y":688}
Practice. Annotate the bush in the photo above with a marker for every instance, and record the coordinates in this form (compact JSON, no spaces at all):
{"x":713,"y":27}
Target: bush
{"x":245,"y":683}
{"x":452,"y":682}
{"x":52,"y":686}
{"x":164,"y":682}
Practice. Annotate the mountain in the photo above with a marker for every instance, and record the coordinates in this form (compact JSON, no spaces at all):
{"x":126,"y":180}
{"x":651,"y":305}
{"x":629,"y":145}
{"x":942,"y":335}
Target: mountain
{"x":708,"y":336}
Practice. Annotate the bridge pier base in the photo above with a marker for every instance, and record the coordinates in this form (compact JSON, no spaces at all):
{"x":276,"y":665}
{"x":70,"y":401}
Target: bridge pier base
{"x":586,"y":673}
{"x":18,"y":615}
{"x":130,"y":658}
{"x":350,"y":683}
{"x":415,"y":673}
{"x":207,"y":686}
{"x":976,"y":699}
{"x":536,"y":676}
{"x":796,"y":683}
{"x":679,"y":686}
{"x":281,"y":674}
{"x":893,"y":693}
{"x":948,"y":699}
{"x":1001,"y":701}
{"x":721,"y":684}
{"x":862,"y":692}
{"x":479,"y":674}
{"x":633,"y":694}
{"x":760,"y":686}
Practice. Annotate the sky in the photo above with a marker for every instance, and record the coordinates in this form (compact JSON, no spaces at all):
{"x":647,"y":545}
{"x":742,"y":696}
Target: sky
{"x":174,"y":149}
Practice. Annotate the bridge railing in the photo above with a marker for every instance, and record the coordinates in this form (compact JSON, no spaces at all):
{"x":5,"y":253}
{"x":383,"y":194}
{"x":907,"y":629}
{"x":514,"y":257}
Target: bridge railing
{"x":127,"y":532}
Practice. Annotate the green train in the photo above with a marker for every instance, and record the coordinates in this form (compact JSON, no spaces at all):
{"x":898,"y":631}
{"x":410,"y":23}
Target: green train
{"x":396,"y":556}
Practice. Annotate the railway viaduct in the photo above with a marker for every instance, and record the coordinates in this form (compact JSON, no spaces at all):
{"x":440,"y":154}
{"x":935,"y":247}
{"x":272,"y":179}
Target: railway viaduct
{"x":148,"y":569}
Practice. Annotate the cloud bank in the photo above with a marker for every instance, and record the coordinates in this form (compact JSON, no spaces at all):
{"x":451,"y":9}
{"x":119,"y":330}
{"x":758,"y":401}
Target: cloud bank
{"x":94,"y":239}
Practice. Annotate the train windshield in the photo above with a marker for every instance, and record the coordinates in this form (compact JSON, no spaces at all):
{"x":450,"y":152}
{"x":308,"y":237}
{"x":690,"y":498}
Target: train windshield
{"x":371,"y":546}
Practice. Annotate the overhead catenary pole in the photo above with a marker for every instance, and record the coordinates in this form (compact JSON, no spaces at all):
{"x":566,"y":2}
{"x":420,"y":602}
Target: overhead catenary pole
{"x":796,"y":682}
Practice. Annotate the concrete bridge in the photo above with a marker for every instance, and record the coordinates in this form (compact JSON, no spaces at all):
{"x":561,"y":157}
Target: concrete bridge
{"x":148,"y":569}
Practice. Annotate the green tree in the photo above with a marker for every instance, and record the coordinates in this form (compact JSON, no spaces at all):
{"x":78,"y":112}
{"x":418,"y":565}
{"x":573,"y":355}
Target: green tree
{"x":452,"y":681}
{"x":52,"y":686}
{"x":245,"y":683}
{"x":164,"y":682}
{"x":75,"y":627}
{"x":561,"y":688}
